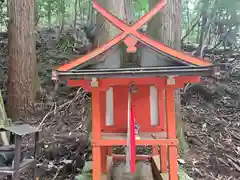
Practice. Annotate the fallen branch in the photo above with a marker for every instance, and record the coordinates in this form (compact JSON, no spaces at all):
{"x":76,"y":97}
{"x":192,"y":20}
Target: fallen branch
{"x":65,"y":105}
{"x":57,"y":173}
{"x":237,"y":167}
{"x":70,"y":136}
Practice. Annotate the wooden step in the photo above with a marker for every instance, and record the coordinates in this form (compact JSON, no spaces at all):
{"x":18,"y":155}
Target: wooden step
{"x":140,"y":136}
{"x":142,"y":139}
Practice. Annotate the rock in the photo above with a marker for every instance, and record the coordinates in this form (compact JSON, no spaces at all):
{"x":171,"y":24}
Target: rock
{"x":87,"y":167}
{"x":87,"y":176}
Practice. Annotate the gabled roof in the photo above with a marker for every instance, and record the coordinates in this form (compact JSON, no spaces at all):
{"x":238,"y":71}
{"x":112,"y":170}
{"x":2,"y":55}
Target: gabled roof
{"x":132,"y":36}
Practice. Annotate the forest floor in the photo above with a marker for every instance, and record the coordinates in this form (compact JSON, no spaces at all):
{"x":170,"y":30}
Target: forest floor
{"x":212,"y":119}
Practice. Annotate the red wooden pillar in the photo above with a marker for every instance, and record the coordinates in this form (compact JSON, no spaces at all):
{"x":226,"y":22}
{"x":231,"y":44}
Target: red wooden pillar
{"x":162,"y":117}
{"x":171,"y":131}
{"x":96,"y":132}
{"x":162,"y":152}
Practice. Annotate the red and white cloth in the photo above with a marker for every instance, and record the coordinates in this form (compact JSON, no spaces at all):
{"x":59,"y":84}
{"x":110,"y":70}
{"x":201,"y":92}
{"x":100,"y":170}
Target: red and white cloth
{"x":131,"y":139}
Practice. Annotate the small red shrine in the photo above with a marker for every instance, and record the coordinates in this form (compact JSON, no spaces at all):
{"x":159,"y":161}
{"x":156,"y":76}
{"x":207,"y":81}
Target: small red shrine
{"x":125,"y":97}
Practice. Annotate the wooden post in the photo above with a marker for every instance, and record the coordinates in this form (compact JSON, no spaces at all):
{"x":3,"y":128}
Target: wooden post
{"x":171,"y":131}
{"x":96,"y":131}
{"x":162,"y":116}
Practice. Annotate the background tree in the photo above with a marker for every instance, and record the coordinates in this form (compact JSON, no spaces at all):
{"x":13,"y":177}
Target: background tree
{"x":166,"y":28}
{"x":22,"y":65}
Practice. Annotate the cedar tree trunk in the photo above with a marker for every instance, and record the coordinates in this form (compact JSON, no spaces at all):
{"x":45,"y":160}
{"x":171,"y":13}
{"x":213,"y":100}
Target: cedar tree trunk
{"x":22,"y":65}
{"x":166,"y":28}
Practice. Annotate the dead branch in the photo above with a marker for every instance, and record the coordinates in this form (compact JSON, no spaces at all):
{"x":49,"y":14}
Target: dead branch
{"x":192,"y":28}
{"x":57,"y":173}
{"x":65,"y":105}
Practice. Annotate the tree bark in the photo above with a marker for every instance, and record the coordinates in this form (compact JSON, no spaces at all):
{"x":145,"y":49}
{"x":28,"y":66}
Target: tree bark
{"x":22,"y":65}
{"x":75,"y":14}
{"x":166,"y":28}
{"x":62,"y":11}
{"x":91,"y":15}
{"x":49,"y":14}
{"x":105,"y":30}
{"x":199,"y":51}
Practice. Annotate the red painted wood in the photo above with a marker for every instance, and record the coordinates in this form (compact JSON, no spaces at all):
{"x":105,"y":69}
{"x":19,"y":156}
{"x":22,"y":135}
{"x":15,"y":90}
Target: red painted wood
{"x":159,"y":82}
{"x":141,"y":142}
{"x":141,"y":105}
{"x":120,"y":103}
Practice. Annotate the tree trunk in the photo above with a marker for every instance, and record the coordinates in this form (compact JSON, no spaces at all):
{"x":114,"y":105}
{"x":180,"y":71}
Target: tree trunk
{"x":165,"y":27}
{"x":91,"y":15}
{"x":81,"y":5}
{"x":49,"y":14}
{"x":123,"y":9}
{"x":62,"y":10}
{"x":199,"y":51}
{"x":75,"y":14}
{"x":22,"y":65}
{"x":37,"y":16}
{"x":106,"y":30}
{"x":8,"y":7}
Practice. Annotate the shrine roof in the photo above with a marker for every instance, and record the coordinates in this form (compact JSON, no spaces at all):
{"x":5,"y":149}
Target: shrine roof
{"x":184,"y":63}
{"x":157,"y":47}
